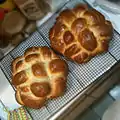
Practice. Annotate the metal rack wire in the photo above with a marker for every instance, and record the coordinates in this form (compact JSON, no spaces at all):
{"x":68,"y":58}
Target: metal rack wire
{"x":80,"y":76}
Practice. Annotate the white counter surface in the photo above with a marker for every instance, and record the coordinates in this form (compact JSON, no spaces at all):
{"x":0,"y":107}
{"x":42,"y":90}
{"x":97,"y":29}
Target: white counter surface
{"x":108,"y":61}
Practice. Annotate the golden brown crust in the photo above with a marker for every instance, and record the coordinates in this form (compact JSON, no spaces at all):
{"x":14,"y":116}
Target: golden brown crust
{"x":58,"y":87}
{"x":39,"y":70}
{"x":41,"y":89}
{"x":38,"y":75}
{"x":80,"y":33}
{"x":19,"y":78}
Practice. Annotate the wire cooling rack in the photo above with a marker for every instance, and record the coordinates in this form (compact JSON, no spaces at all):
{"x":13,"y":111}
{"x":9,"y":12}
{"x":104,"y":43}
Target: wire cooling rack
{"x":80,"y":76}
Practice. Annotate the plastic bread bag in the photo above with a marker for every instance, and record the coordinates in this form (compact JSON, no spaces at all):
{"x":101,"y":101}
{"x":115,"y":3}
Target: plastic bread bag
{"x":17,"y":114}
{"x":32,"y":9}
{"x":4,"y":113}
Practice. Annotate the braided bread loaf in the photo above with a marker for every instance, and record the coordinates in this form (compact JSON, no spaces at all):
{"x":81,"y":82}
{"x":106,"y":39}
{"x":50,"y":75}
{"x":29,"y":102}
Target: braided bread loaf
{"x":38,"y":75}
{"x":80,"y":33}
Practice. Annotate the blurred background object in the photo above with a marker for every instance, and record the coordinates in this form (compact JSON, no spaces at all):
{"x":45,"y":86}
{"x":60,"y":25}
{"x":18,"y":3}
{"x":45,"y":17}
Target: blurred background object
{"x":4,"y":38}
{"x":32,"y":9}
{"x":109,"y":5}
{"x":55,"y":4}
{"x":14,"y":27}
{"x":7,"y":4}
{"x":113,"y":112}
{"x":5,"y":7}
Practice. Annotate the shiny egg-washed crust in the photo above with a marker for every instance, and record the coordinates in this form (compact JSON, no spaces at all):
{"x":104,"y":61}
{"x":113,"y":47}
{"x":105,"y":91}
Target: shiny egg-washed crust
{"x":38,"y":75}
{"x":80,"y":33}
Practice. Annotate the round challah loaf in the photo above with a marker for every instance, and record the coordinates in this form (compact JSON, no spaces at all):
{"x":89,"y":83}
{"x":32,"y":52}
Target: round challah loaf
{"x":80,"y":33}
{"x":38,"y":75}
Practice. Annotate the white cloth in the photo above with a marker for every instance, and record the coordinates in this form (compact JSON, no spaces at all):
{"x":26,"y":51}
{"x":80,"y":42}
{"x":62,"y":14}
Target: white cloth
{"x":3,"y":113}
{"x":7,"y":94}
{"x":114,"y":18}
{"x":113,"y":112}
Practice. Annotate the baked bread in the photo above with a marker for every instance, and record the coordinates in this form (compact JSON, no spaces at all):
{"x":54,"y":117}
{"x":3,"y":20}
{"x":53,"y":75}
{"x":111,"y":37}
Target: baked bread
{"x":80,"y":33}
{"x":17,"y":27}
{"x":14,"y":22}
{"x":32,"y":9}
{"x":38,"y":75}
